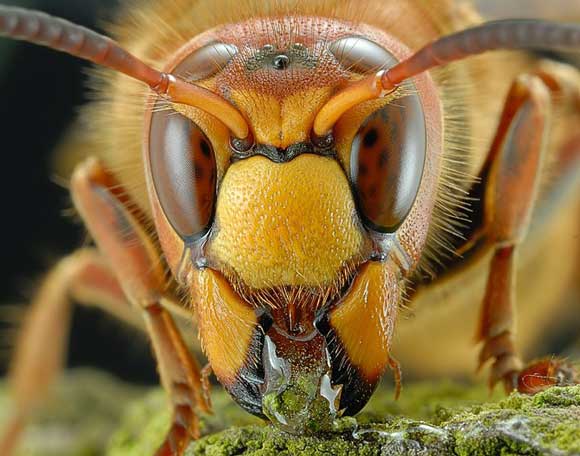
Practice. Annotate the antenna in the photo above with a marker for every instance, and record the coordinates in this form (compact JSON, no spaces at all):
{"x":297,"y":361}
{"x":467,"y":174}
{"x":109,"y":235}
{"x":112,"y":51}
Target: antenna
{"x":40,"y":28}
{"x":508,"y":34}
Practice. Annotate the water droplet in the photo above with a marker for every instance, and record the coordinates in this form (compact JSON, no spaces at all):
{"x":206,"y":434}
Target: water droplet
{"x":201,"y":263}
{"x":330,"y":393}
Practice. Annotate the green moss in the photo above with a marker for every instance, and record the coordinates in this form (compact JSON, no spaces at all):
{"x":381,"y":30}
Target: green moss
{"x":430,"y":419}
{"x":82,"y":412}
{"x":548,"y":423}
{"x":146,"y":421}
{"x":432,"y":402}
{"x":259,"y":441}
{"x":564,"y":436}
{"x":144,"y":426}
{"x":297,"y":406}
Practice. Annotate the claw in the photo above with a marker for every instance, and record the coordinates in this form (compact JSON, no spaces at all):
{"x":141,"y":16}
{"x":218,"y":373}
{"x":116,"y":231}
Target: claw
{"x":206,"y":388}
{"x":505,"y":368}
{"x":398,"y":373}
{"x":545,"y":373}
{"x":506,"y":363}
{"x":497,"y":347}
{"x":185,"y":428}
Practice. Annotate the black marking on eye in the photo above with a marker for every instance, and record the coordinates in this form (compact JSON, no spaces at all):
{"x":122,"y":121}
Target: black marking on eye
{"x":387,"y":161}
{"x":383,"y":158}
{"x":184,"y":173}
{"x":205,"y":148}
{"x":371,"y":138}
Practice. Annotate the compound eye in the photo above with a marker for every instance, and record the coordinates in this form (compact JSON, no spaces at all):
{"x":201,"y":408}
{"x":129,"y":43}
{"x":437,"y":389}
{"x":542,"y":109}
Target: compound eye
{"x":387,"y":160}
{"x":361,"y":55}
{"x":183,"y":167}
{"x":205,"y":61}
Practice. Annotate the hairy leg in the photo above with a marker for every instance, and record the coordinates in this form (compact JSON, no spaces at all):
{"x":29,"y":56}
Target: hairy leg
{"x":131,"y":272}
{"x":40,"y":348}
{"x":515,"y":165}
{"x":113,"y":223}
{"x":514,"y":170}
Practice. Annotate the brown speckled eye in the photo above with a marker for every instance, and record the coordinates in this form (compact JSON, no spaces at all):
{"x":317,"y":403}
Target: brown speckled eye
{"x":184,"y":172}
{"x":388,"y":151}
{"x":387,"y":159}
{"x":183,"y":164}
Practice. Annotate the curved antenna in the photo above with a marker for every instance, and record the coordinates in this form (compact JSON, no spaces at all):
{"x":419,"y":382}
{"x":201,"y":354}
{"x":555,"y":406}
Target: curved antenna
{"x":509,"y":34}
{"x":40,"y":28}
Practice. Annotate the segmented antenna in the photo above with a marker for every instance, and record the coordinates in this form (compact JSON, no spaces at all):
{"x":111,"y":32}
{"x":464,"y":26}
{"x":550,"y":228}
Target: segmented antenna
{"x":61,"y":35}
{"x":40,"y":28}
{"x":508,"y":34}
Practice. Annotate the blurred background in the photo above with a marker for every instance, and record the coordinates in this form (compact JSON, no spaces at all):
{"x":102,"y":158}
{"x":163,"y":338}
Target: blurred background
{"x":40,"y":91}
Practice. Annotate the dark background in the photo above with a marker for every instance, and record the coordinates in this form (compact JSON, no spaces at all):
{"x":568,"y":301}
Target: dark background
{"x":40,"y":92}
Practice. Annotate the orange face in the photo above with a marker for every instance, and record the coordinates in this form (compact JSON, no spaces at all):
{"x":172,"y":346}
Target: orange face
{"x":294,"y":250}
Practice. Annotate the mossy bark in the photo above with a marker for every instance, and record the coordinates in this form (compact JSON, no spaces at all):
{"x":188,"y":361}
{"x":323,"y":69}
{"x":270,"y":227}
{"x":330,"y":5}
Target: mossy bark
{"x":430,"y":419}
